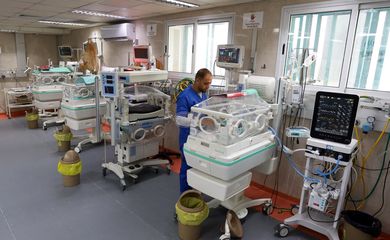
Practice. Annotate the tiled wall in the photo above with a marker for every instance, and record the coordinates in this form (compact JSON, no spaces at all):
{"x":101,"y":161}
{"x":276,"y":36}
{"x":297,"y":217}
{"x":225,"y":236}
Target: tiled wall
{"x":38,"y":48}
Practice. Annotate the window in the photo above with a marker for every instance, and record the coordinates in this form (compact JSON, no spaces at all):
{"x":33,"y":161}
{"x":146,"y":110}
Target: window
{"x":208,"y":37}
{"x":371,"y":52}
{"x":351,"y":42}
{"x":193,"y":44}
{"x":180,"y":48}
{"x":323,"y":33}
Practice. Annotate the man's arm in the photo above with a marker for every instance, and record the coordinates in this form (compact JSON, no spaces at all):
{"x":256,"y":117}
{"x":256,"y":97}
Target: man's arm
{"x":182,"y":119}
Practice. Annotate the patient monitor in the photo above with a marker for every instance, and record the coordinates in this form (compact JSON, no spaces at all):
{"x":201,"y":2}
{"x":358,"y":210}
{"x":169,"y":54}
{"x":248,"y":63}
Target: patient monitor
{"x":142,"y":54}
{"x":230,"y":56}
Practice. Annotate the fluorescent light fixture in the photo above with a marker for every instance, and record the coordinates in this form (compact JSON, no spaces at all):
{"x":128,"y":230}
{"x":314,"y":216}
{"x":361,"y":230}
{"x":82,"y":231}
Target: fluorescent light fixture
{"x":7,"y":30}
{"x":179,"y":3}
{"x":97,"y":14}
{"x":63,"y":23}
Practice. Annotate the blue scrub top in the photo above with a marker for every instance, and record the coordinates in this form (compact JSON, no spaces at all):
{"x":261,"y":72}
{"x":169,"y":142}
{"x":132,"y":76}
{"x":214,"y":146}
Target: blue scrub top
{"x":185,"y":101}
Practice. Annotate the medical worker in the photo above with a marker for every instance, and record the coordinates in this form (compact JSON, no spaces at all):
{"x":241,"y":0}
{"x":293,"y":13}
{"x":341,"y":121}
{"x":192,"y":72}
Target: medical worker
{"x":192,"y":95}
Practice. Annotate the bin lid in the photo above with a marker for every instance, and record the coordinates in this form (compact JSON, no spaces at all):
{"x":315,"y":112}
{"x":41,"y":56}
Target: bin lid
{"x":234,"y":224}
{"x":71,"y":157}
{"x":66,"y":129}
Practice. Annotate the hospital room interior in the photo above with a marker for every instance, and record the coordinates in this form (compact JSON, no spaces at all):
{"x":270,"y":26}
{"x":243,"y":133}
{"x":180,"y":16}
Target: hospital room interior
{"x":194,"y":119}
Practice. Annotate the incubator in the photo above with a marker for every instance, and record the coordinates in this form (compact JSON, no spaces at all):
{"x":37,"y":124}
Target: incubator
{"x":229,"y":136}
{"x":47,"y":85}
{"x":227,"y":131}
{"x":79,"y":106}
{"x":144,"y":117}
{"x":138,"y":117}
{"x":47,"y":89}
{"x":79,"y":100}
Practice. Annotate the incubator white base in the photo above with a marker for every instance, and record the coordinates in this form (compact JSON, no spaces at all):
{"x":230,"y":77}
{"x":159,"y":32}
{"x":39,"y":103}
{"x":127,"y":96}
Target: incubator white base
{"x":47,"y":105}
{"x":132,"y":170}
{"x":80,"y":124}
{"x":139,"y":150}
{"x":217,"y":188}
{"x":48,"y":93}
{"x":218,"y":150}
{"x":229,"y":194}
{"x":227,"y":167}
{"x":82,"y":111}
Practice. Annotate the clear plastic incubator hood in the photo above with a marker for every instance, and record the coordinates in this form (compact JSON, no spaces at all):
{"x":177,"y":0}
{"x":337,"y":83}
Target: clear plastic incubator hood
{"x":228,"y":120}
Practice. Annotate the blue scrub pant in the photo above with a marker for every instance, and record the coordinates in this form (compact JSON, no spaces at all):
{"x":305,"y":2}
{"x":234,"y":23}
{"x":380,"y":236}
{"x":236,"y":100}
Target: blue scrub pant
{"x":183,"y":173}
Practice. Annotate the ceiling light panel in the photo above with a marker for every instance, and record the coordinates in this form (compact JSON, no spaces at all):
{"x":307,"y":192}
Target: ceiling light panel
{"x":63,"y":23}
{"x":178,"y":3}
{"x":97,"y":7}
{"x":7,"y":30}
{"x":120,"y":3}
{"x":97,"y":14}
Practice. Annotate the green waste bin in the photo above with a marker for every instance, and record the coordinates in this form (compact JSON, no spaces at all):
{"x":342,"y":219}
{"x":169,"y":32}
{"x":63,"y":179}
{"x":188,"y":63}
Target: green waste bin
{"x":360,"y":225}
{"x":191,"y":211}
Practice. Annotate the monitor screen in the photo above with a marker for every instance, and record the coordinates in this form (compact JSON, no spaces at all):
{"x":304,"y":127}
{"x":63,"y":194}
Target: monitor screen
{"x":229,"y":55}
{"x":141,"y":53}
{"x":108,"y":89}
{"x":65,"y":51}
{"x":334,"y":116}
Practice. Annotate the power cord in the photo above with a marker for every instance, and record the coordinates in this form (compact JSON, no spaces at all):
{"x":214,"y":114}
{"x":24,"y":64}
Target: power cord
{"x":320,"y":221}
{"x":385,"y":180}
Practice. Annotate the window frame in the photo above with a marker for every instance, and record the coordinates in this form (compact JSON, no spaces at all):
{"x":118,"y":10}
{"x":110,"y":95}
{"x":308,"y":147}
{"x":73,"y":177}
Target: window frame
{"x":354,"y":7}
{"x":195,"y":21}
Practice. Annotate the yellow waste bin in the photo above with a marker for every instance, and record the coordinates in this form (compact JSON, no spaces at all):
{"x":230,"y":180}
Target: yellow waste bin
{"x":63,"y":138}
{"x":191,"y":211}
{"x":32,"y":119}
{"x":70,"y":167}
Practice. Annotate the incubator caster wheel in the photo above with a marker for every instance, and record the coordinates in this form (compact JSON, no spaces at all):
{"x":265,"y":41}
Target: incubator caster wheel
{"x":77,"y":149}
{"x":44,"y":128}
{"x":282,"y":230}
{"x":268,"y":209}
{"x":104,"y":172}
{"x":294,"y":209}
{"x":135,"y":181}
{"x":156,"y":171}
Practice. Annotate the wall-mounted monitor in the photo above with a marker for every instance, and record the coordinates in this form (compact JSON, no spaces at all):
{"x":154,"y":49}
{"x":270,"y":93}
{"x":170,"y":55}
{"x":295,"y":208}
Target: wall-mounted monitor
{"x":65,"y":51}
{"x":142,"y":54}
{"x":230,"y":56}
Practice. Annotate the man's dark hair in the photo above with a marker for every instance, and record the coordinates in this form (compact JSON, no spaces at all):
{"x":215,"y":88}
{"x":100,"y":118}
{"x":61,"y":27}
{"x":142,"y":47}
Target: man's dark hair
{"x":202,"y":73}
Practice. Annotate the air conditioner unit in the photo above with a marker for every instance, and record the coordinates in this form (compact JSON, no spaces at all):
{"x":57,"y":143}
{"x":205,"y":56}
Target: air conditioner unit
{"x":118,"y":32}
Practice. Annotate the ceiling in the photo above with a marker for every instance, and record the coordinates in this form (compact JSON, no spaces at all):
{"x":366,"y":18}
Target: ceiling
{"x":23,"y":15}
